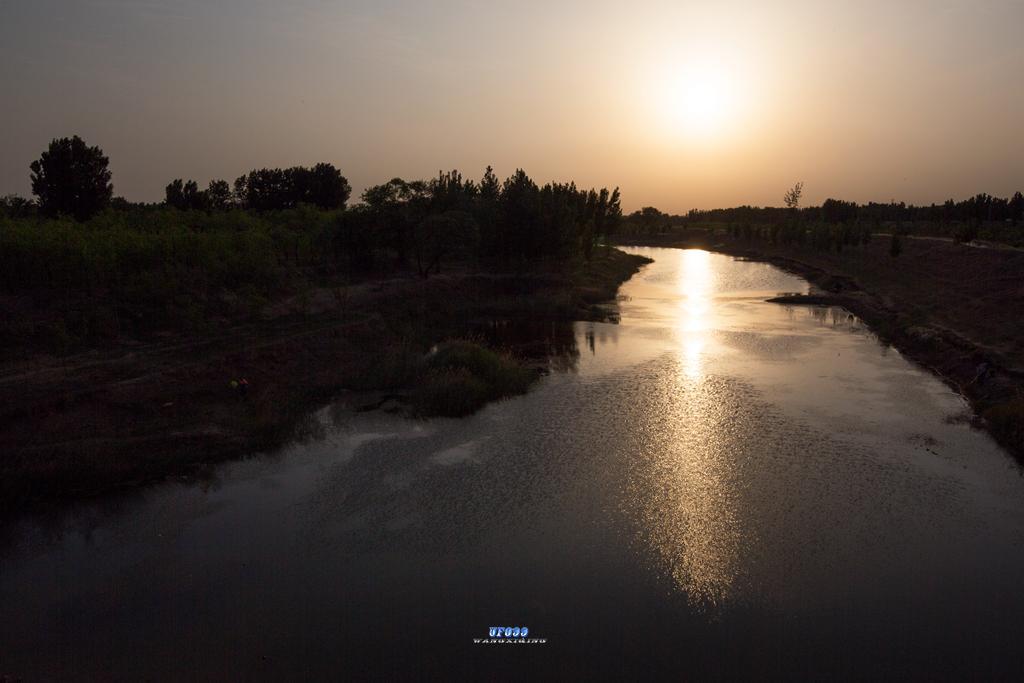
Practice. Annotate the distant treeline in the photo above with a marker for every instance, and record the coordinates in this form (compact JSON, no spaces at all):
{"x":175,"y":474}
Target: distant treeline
{"x":981,"y":216}
{"x":981,"y":207}
{"x":112,"y":265}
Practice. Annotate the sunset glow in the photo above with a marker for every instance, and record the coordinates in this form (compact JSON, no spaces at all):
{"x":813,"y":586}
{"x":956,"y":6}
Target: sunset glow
{"x":682,"y":105}
{"x":701,"y":102}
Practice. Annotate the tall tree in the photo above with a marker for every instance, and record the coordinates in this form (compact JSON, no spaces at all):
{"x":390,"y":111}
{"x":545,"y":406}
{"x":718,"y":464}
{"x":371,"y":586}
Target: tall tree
{"x":490,"y":188}
{"x":520,"y":211}
{"x":218,"y":195}
{"x":186,"y":195}
{"x":792,"y":198}
{"x":72,"y":178}
{"x":327,"y":188}
{"x":1016,"y":207}
{"x":272,"y":189}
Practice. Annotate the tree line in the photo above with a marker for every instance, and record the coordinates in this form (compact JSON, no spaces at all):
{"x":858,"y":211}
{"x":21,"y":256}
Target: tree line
{"x":980,"y":207}
{"x":109,"y":264}
{"x":106,"y":267}
{"x":979,"y":217}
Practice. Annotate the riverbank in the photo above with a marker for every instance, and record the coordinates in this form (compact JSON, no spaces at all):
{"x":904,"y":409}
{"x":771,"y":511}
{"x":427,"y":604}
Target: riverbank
{"x":143,"y":411}
{"x":949,"y":307}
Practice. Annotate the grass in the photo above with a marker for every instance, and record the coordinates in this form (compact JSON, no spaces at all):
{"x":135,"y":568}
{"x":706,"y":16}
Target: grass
{"x":459,"y":377}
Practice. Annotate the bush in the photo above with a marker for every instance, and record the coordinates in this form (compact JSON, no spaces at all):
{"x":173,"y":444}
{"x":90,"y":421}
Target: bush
{"x":459,"y":377}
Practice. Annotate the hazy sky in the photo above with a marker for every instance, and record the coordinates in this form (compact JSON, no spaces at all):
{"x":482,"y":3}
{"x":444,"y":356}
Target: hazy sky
{"x":681,"y":104}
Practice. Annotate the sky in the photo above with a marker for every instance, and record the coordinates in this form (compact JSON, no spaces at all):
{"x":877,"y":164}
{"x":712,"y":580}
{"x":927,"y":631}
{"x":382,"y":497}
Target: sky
{"x":681,"y":104}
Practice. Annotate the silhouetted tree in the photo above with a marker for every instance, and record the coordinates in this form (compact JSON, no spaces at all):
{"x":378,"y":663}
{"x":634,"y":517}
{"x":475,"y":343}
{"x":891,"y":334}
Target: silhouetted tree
{"x":239,"y":192}
{"x":838,"y":211}
{"x":218,"y":195}
{"x":601,"y":216}
{"x":327,"y":188}
{"x":275,"y":189}
{"x":1016,"y":208}
{"x":490,"y":188}
{"x":486,"y":213}
{"x":185,"y":196}
{"x":174,"y":194}
{"x":14,"y":206}
{"x":792,"y":198}
{"x":395,"y":208}
{"x":72,"y":178}
{"x":650,"y":219}
{"x":519,"y":213}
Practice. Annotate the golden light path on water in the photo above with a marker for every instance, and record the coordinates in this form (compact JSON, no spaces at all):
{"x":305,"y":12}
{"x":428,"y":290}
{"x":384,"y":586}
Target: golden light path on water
{"x":690,"y":510}
{"x":695,"y":285}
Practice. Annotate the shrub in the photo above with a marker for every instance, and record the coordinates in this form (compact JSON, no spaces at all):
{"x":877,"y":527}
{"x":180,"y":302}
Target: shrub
{"x":459,"y":377}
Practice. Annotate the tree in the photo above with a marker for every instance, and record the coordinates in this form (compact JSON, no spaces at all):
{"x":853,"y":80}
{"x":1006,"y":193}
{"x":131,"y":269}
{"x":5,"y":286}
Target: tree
{"x":274,"y":189}
{"x":602,"y":214}
{"x":519,"y":209}
{"x":486,"y":212}
{"x":651,"y":220}
{"x":1016,"y":207}
{"x":185,"y":196}
{"x":240,"y":192}
{"x":218,"y":195}
{"x":439,"y":236}
{"x":395,"y":208}
{"x":837,"y":211}
{"x":72,"y":178}
{"x":14,"y":206}
{"x":490,"y":188}
{"x":792,"y":198}
{"x":326,"y":187}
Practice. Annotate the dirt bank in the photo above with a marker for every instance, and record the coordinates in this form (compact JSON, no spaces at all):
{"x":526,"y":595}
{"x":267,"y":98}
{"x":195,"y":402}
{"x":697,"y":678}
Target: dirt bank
{"x":951,"y":308}
{"x":142,"y":411}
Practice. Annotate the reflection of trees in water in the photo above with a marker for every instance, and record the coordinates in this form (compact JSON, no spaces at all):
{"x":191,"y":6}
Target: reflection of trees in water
{"x":535,"y":340}
{"x":834,"y":316}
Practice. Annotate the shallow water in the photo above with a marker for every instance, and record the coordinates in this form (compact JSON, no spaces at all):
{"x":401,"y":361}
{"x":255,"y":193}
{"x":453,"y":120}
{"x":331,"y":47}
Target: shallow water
{"x":717,"y":486}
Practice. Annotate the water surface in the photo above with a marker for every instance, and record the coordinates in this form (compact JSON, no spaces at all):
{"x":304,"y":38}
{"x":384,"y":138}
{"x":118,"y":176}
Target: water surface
{"x":715,"y":487}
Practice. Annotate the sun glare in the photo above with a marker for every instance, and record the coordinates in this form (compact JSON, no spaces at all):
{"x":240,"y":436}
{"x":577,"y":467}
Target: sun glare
{"x":700,"y":101}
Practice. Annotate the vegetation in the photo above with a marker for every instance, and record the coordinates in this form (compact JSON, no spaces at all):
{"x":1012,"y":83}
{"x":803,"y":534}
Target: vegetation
{"x":939,"y":302}
{"x":126,"y":323}
{"x":71,"y":178}
{"x":838,"y":223}
{"x":98,"y":269}
{"x":460,"y":376}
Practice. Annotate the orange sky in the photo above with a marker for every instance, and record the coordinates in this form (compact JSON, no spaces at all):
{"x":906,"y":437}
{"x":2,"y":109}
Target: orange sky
{"x":683,"y":105}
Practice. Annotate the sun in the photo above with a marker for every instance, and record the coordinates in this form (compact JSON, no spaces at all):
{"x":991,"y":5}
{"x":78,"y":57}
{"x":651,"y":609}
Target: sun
{"x":704,"y":100}
{"x":700,"y":101}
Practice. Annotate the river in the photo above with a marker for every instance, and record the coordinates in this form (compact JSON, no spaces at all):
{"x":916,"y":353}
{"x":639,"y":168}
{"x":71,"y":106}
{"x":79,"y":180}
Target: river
{"x":716,"y":487}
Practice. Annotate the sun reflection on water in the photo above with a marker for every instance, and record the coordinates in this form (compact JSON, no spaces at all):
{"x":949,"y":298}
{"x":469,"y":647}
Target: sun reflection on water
{"x":687,"y":481}
{"x":696,"y":280}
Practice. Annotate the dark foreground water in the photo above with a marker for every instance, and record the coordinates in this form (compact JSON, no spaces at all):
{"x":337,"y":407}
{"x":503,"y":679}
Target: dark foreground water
{"x":717,"y":487}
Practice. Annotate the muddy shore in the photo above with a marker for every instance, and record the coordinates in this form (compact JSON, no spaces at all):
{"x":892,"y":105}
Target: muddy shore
{"x":951,"y":308}
{"x":143,"y":411}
